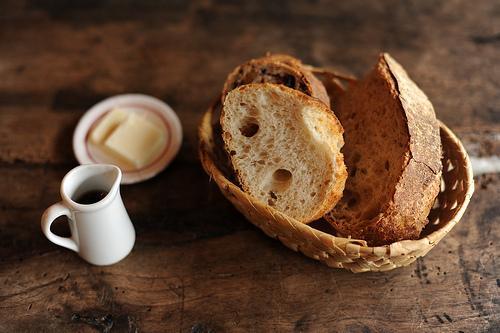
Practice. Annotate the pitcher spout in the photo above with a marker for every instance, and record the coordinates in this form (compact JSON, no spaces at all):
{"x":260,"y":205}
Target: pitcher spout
{"x":105,"y":178}
{"x":111,"y":174}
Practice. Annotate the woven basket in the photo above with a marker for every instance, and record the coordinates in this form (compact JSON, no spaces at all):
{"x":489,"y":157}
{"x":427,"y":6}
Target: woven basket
{"x":457,"y":187}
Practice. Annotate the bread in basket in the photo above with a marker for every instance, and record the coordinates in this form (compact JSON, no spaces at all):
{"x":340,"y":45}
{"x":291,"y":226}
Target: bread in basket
{"x":351,"y":254}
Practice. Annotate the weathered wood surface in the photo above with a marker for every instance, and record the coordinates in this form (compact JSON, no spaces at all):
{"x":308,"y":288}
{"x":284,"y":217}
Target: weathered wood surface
{"x":198,"y":266}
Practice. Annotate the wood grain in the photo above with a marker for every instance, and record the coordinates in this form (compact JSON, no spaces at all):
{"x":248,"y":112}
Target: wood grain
{"x":198,"y":266}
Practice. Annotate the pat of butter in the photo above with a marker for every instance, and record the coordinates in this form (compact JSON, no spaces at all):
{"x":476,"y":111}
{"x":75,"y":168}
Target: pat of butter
{"x":107,"y":125}
{"x":136,"y":141}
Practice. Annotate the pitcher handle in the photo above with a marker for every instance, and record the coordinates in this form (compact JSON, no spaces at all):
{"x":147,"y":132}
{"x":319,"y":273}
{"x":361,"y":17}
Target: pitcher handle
{"x":48,"y":217}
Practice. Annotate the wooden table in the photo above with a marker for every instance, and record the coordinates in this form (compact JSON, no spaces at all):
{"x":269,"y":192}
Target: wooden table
{"x":197,"y":265}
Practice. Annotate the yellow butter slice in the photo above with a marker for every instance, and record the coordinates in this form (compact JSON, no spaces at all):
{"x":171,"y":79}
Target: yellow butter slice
{"x":137,"y":141}
{"x":107,"y":125}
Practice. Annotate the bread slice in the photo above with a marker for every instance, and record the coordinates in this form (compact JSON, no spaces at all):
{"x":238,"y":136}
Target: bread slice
{"x":272,"y":68}
{"x":393,"y":156}
{"x":285,"y":148}
{"x":279,"y":69}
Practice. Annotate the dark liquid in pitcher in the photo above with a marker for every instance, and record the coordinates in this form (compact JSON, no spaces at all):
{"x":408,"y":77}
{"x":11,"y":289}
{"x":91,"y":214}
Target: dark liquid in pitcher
{"x":91,"y":197}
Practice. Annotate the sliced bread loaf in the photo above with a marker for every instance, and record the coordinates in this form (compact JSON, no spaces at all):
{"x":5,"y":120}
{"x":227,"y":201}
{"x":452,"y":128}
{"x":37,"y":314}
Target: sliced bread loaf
{"x":393,"y":156}
{"x":279,"y":69}
{"x":284,"y":147}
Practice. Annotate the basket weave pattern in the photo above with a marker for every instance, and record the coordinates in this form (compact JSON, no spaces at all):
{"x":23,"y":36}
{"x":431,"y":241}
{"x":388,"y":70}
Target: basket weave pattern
{"x":352,"y":254}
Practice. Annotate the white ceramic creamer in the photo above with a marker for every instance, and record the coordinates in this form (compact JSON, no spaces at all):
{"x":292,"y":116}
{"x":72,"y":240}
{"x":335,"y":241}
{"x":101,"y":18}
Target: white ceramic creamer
{"x":101,"y":232}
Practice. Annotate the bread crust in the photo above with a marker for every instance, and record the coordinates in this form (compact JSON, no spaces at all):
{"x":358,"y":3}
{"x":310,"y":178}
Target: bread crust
{"x":280,"y":69}
{"x":405,"y":214}
{"x":334,"y":192}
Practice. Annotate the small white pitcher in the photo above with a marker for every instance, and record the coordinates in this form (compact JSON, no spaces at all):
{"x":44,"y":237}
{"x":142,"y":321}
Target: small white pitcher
{"x":101,"y":232}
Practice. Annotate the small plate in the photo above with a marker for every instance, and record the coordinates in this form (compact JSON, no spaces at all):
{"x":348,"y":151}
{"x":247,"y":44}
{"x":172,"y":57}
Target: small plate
{"x":147,"y":106}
